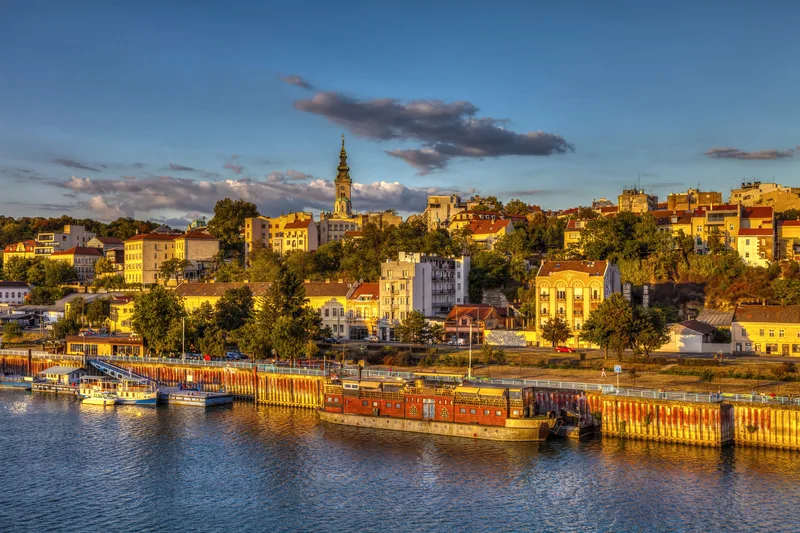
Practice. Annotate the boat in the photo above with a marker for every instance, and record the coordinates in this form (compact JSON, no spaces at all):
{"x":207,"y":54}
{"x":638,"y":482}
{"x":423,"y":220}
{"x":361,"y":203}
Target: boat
{"x":136,"y":392}
{"x":471,"y":410}
{"x":90,"y":385}
{"x":16,"y":382}
{"x":101,"y":398}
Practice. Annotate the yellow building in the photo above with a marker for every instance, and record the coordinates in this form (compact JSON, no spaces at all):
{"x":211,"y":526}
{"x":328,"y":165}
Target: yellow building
{"x":267,"y":232}
{"x":144,"y":254}
{"x":24,"y":249}
{"x":789,"y":240}
{"x":121,"y":314}
{"x":103,"y":345}
{"x":487,"y":232}
{"x":637,"y":201}
{"x":196,"y":245}
{"x":779,"y":197}
{"x":766,"y":329}
{"x":81,"y":258}
{"x":572,"y":234}
{"x":692,"y":199}
{"x":363,"y":310}
{"x":571,"y":290}
{"x":299,"y":235}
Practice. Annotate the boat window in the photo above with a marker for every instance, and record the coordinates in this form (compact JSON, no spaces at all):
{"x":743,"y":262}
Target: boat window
{"x":473,"y":411}
{"x":397,"y":405}
{"x":498,"y":413}
{"x":463,"y":410}
{"x":365,"y":403}
{"x":486,"y":412}
{"x":388,"y":405}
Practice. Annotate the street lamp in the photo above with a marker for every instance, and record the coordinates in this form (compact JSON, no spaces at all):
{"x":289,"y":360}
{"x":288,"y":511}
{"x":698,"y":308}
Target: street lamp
{"x":469,"y":374}
{"x":183,"y":337}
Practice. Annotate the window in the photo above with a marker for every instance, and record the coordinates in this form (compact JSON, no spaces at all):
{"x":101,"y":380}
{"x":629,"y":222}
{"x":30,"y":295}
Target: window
{"x":780,"y":333}
{"x":747,"y":242}
{"x":405,"y":273}
{"x":462,"y":411}
{"x":500,"y":413}
{"x":761,"y":332}
{"x":795,"y":348}
{"x":364,"y":403}
{"x":486,"y":412}
{"x":397,"y":406}
{"x":473,"y":411}
{"x":561,"y":294}
{"x":388,"y":405}
{"x":389,"y":274}
{"x":771,"y":333}
{"x":374,"y":404}
{"x":744,"y":332}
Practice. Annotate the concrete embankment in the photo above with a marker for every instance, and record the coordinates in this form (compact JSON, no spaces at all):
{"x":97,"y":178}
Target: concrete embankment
{"x":770,"y":426}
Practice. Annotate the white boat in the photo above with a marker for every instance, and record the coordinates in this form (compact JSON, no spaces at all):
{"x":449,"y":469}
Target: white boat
{"x":100,"y":398}
{"x":136,"y":392}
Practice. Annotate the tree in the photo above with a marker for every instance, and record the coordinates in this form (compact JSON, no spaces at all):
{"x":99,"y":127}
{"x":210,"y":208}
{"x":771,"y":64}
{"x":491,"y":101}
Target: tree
{"x":265,"y":264}
{"x":98,"y":311}
{"x":649,"y":330}
{"x":64,"y":327}
{"x":103,"y":266}
{"x":174,"y":267}
{"x":157,"y":318}
{"x":212,"y":342}
{"x":610,"y":325}
{"x":234,"y":308}
{"x":227,"y":223}
{"x":229,"y":272}
{"x":414,"y":328}
{"x":11,"y":331}
{"x":556,"y":331}
{"x":436,"y":332}
{"x":517,"y":207}
{"x":58,"y":272}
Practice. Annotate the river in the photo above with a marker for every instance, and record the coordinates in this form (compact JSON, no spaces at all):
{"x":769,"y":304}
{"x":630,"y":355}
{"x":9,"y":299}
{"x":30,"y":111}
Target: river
{"x":68,"y":467}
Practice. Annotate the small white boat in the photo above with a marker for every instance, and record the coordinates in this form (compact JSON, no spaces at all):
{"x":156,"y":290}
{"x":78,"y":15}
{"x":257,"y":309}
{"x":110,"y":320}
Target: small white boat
{"x":136,"y":392}
{"x":101,"y":398}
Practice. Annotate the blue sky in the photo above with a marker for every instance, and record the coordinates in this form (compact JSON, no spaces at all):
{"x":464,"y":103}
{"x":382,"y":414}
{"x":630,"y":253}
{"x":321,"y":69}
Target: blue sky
{"x":114,"y":95}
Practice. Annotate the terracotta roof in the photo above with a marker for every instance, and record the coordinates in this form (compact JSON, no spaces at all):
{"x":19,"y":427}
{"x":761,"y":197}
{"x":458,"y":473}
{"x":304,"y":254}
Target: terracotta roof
{"x":700,"y":327}
{"x":593,"y":268}
{"x":366,"y":289}
{"x":109,"y":240}
{"x":662,"y":205}
{"x":196,"y":234}
{"x":487,"y":227}
{"x":787,"y":314}
{"x":571,"y":224}
{"x":353,"y":233}
{"x":313,"y":289}
{"x":570,"y":211}
{"x":13,"y":285}
{"x":716,"y":318}
{"x":79,"y":250}
{"x":610,"y":209}
{"x":758,"y":212}
{"x":789,"y":223}
{"x":299,"y":224}
{"x":475,"y":311}
{"x":152,"y":237}
{"x":758,"y":232}
{"x":30,"y":244}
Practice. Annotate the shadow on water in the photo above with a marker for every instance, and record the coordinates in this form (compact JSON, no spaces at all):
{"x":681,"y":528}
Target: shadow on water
{"x":249,"y":468}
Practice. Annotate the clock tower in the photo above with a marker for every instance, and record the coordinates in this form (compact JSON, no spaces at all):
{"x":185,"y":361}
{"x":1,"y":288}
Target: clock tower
{"x":342,"y":205}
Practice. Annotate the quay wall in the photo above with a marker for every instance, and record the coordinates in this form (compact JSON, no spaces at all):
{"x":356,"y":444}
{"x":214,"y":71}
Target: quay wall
{"x":770,"y":426}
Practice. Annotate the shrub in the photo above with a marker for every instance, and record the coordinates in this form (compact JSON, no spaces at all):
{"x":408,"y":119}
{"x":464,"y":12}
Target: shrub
{"x":402,"y":358}
{"x":582,"y":355}
{"x":388,"y":360}
{"x":707,"y":375}
{"x":688,"y":361}
{"x":500,"y":356}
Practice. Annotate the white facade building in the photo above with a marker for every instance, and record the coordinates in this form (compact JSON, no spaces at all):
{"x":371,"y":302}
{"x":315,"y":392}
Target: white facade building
{"x":13,"y":292}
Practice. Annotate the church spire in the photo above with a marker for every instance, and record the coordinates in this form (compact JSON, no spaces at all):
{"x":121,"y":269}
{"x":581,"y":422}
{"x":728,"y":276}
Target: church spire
{"x":344,"y":170}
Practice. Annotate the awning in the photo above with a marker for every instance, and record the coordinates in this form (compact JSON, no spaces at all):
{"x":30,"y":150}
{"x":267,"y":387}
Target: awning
{"x":369,"y":384}
{"x":468,"y":390}
{"x":492,"y":392}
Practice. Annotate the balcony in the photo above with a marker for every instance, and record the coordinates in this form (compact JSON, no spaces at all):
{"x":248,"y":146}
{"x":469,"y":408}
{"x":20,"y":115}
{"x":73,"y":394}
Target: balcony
{"x":544,"y":312}
{"x":578,"y":299}
{"x":544,"y":296}
{"x":577,"y":312}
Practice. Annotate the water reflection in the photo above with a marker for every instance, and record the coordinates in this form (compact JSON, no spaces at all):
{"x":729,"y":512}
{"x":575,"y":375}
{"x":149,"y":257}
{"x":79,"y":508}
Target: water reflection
{"x":246,"y":468}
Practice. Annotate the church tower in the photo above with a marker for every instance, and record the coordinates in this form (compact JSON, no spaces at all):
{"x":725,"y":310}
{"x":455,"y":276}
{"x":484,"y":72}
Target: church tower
{"x":342,"y":207}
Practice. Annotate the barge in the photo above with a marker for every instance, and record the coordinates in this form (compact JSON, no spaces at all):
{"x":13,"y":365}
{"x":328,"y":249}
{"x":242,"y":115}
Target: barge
{"x":479,"y":411}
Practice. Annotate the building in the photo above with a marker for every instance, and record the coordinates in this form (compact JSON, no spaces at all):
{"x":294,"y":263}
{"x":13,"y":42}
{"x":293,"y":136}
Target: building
{"x":25,"y":250}
{"x":766,"y":329}
{"x":334,"y":224}
{"x":691,"y":199}
{"x":440,"y":210}
{"x":756,"y":246}
{"x":81,"y":258}
{"x":571,"y":290}
{"x":300,"y":235}
{"x":120,"y":314}
{"x":381,"y":219}
{"x":476,"y":319}
{"x":105,"y":244}
{"x":465,"y":218}
{"x":267,"y":232}
{"x":674,"y":222}
{"x":419,"y":282}
{"x":199,"y":248}
{"x":637,"y":201}
{"x":63,"y":375}
{"x":779,"y":197}
{"x":13,"y":292}
{"x":572,"y":233}
{"x":144,"y":254}
{"x":94,"y":345}
{"x":363,"y":310}
{"x":70,"y":237}
{"x":690,"y":336}
{"x":789,"y":240}
{"x":486,"y":233}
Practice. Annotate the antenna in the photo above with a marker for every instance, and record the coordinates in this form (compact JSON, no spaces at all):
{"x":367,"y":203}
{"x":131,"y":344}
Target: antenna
{"x":639,"y":180}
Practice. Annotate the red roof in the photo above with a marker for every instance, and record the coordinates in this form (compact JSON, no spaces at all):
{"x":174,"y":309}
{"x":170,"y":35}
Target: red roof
{"x":571,"y":224}
{"x":353,"y":233}
{"x":593,"y":268}
{"x":758,"y":212}
{"x":299,"y":224}
{"x":487,"y":227}
{"x":79,"y":250}
{"x":152,"y":237}
{"x":366,"y":289}
{"x":109,"y":240}
{"x":475,"y":311}
{"x":758,"y":232}
{"x":197,"y":234}
{"x":789,"y":223}
{"x":30,"y":244}
{"x":610,"y":209}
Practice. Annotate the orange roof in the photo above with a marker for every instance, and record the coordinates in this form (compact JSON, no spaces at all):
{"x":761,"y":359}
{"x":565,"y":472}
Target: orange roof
{"x":30,"y":244}
{"x":109,"y":240}
{"x":758,"y":212}
{"x":758,"y":232}
{"x":366,"y":289}
{"x":610,"y":209}
{"x":487,"y":227}
{"x":79,"y":250}
{"x":789,"y":223}
{"x":152,"y":237}
{"x":353,"y":233}
{"x":298,"y":224}
{"x":475,"y":311}
{"x":197,"y":234}
{"x":593,"y":268}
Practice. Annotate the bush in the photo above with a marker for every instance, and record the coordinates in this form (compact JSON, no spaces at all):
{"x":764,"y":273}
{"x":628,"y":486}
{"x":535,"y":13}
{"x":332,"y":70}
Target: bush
{"x":500,"y":356}
{"x":388,"y":360}
{"x":582,"y":355}
{"x":688,"y":361}
{"x":707,"y":375}
{"x":402,"y":358}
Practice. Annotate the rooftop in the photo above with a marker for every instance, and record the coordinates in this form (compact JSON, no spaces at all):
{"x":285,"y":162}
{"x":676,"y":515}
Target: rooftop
{"x":715,"y":318}
{"x":756,"y":232}
{"x":487,"y":227}
{"x":79,"y":250}
{"x":299,"y":224}
{"x":109,"y":240}
{"x":60,"y":371}
{"x":13,"y":285}
{"x":593,"y":268}
{"x":786,"y":314}
{"x":366,"y":289}
{"x":152,"y":237}
{"x":700,"y":327}
{"x":313,"y":289}
{"x":758,"y":212}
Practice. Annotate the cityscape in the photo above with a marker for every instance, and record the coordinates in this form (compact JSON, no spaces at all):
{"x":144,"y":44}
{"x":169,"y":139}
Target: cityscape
{"x":566,"y":334}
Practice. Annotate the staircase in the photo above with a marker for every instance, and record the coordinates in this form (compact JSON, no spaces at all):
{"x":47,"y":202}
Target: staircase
{"x":117,"y":372}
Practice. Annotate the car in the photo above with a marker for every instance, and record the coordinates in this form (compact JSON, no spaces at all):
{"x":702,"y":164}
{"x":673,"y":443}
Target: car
{"x":564,"y":349}
{"x":457,"y":342}
{"x":330,"y":340}
{"x":371,"y":338}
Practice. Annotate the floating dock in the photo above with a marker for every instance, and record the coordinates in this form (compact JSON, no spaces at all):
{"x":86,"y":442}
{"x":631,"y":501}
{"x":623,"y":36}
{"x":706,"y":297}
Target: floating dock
{"x":15,"y":385}
{"x":54,"y":387}
{"x":176,"y":396}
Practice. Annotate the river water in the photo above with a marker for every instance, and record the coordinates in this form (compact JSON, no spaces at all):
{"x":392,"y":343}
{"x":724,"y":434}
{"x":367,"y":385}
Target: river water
{"x":68,"y":467}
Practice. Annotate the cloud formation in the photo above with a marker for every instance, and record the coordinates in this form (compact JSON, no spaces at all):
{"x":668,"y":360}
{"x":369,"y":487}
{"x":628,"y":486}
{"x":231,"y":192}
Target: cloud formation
{"x":71,"y":163}
{"x":173,"y":166}
{"x":735,"y":153}
{"x":108,"y":199}
{"x":445,"y":129}
{"x":230,"y":165}
{"x":297,"y":81}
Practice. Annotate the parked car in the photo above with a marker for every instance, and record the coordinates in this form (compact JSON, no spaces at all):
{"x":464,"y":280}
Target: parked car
{"x":564,"y":349}
{"x":457,"y":342}
{"x":330,"y":340}
{"x":232,"y":355}
{"x":371,"y":338}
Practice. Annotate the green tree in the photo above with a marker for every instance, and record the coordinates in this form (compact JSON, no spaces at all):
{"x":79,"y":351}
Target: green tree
{"x":649,"y":330}
{"x":436,"y":332}
{"x":103,"y":266}
{"x":555,"y":331}
{"x":229,"y":272}
{"x":172,"y":268}
{"x":64,"y":327}
{"x":212,"y":342}
{"x":98,"y":311}
{"x":157,"y":318}
{"x":227,"y":223}
{"x":515,"y":206}
{"x":11,"y":331}
{"x":58,"y":272}
{"x":414,"y":328}
{"x":610,"y":325}
{"x":265,"y":265}
{"x":234,"y":308}
{"x":16,"y":269}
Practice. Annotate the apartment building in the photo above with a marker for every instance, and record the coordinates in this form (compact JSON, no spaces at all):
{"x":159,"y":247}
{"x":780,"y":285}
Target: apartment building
{"x":267,"y":232}
{"x":440,"y":209}
{"x":81,"y":258}
{"x":25,"y":250}
{"x":755,"y":193}
{"x":336,"y":229}
{"x":486,"y":233}
{"x":571,"y":290}
{"x":756,"y":246}
{"x":637,"y":201}
{"x":144,"y":254}
{"x":419,"y":282}
{"x":13,"y":292}
{"x":70,"y":237}
{"x":363,"y":310}
{"x":691,"y":199}
{"x":766,"y":329}
{"x":788,"y":237}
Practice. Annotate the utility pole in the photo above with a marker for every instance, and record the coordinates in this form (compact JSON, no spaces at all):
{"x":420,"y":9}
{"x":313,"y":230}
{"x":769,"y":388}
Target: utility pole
{"x":469,"y":375}
{"x":183,"y":337}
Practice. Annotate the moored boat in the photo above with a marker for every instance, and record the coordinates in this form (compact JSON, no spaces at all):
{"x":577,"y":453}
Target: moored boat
{"x":16,"y":382}
{"x":136,"y":392}
{"x":100,"y":398}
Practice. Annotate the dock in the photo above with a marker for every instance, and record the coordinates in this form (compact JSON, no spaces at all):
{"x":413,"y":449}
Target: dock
{"x":54,"y":387}
{"x":176,"y":396}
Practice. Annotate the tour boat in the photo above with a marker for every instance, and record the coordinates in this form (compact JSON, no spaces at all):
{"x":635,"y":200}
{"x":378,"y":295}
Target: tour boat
{"x":136,"y":392}
{"x":15,"y":382}
{"x":101,"y":398}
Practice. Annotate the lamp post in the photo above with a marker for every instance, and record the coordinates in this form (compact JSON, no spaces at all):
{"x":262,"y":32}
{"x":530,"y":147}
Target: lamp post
{"x":183,"y":337}
{"x":469,"y":374}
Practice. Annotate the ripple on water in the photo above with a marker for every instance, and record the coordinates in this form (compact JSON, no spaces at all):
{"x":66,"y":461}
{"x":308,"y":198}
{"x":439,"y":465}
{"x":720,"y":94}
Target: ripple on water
{"x":67,"y":467}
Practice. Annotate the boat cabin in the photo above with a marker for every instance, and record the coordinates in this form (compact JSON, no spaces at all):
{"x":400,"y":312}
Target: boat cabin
{"x":62,"y":375}
{"x":95,"y":384}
